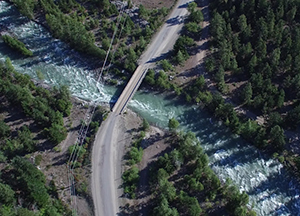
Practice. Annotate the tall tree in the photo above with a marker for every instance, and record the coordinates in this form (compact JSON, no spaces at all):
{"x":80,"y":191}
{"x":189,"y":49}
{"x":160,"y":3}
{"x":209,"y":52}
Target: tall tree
{"x":277,"y":138}
{"x":247,"y":93}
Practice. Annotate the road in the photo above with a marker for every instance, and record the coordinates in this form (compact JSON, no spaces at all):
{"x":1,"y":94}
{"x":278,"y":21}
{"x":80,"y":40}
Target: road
{"x":162,"y":43}
{"x":103,"y":167}
{"x":105,"y":170}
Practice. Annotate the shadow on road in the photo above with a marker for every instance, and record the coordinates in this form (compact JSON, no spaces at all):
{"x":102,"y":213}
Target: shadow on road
{"x":175,"y":21}
{"x":161,"y":57}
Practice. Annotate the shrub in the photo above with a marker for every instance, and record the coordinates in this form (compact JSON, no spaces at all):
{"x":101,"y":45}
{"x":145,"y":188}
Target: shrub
{"x":38,"y":159}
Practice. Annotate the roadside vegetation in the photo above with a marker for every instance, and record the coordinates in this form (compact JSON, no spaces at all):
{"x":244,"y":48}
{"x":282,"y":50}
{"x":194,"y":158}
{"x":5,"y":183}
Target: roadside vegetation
{"x":82,"y":149}
{"x":24,"y":189}
{"x":134,"y":156}
{"x":16,"y":45}
{"x":180,"y":53}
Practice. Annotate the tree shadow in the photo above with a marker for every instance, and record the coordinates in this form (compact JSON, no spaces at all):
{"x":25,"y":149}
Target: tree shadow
{"x":276,"y":184}
{"x":150,"y":141}
{"x":161,"y":57}
{"x":116,"y":96}
{"x":60,"y":160}
{"x":291,"y":207}
{"x":197,"y":49}
{"x":46,"y":145}
{"x":144,"y":185}
{"x":185,"y":5}
{"x":11,"y":17}
{"x":190,"y":73}
{"x":245,"y":155}
{"x":175,"y":21}
{"x":8,"y":51}
{"x":142,"y":209}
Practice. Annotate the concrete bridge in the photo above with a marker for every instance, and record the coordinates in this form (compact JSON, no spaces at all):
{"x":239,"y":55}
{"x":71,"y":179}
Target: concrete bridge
{"x":162,"y":43}
{"x":105,"y":162}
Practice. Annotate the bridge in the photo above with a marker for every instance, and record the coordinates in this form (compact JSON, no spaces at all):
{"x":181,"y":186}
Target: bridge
{"x":130,"y":89}
{"x":162,"y":43}
{"x":105,"y":162}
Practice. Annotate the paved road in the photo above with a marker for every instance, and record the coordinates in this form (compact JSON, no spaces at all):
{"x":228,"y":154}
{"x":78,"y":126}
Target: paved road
{"x":162,"y":43}
{"x":105,"y":170}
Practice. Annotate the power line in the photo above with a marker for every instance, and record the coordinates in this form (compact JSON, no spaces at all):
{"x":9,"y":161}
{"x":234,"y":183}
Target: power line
{"x":85,"y":125}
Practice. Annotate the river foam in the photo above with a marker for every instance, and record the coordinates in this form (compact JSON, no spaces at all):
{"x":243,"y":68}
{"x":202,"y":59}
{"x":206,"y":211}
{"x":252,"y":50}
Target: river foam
{"x":272,"y":191}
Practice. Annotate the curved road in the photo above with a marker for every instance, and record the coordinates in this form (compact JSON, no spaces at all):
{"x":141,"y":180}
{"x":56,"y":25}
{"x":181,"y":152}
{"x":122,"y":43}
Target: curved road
{"x":105,"y":170}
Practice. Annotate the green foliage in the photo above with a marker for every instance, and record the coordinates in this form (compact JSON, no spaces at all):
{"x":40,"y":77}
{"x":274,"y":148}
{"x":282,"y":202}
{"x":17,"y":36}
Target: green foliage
{"x":40,"y":75}
{"x":162,"y":80}
{"x":274,"y":119}
{"x":143,"y":11}
{"x":182,"y":195}
{"x":70,"y":29}
{"x":192,"y":7}
{"x":193,"y":28}
{"x":165,"y":188}
{"x":163,"y":209}
{"x":17,"y":45}
{"x":196,"y":16}
{"x":179,"y":59}
{"x":135,"y":155}
{"x":182,"y":43}
{"x":38,"y":159}
{"x":25,"y":212}
{"x":145,"y":125}
{"x":150,"y":77}
{"x":166,"y":65}
{"x":101,"y":3}
{"x":56,"y":133}
{"x":130,"y":61}
{"x":190,"y":204}
{"x":7,"y":195}
{"x":26,"y":7}
{"x":130,"y":179}
{"x":247,"y":93}
{"x":26,"y":139}
{"x":32,"y":181}
{"x":63,"y":100}
{"x":4,"y":130}
{"x":277,"y":137}
{"x":173,"y":124}
{"x":210,"y":64}
{"x":293,"y":118}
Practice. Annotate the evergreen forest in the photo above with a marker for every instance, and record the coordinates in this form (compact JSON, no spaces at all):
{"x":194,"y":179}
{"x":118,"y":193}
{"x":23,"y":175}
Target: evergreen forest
{"x":24,"y":190}
{"x":254,"y":59}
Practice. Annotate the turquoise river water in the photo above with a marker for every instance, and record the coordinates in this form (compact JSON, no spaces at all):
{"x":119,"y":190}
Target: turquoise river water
{"x":271,"y":189}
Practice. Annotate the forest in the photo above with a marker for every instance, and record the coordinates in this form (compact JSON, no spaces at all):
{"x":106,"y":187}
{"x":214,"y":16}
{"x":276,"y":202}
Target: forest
{"x":181,"y":181}
{"x":254,"y":60}
{"x":88,"y":26}
{"x":23,"y":187}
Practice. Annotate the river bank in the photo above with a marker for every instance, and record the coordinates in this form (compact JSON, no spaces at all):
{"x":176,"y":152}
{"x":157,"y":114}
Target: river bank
{"x":272,"y":191}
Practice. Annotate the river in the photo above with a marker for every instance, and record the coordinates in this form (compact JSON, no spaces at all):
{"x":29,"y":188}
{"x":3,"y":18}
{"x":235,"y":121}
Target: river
{"x":272,"y":191}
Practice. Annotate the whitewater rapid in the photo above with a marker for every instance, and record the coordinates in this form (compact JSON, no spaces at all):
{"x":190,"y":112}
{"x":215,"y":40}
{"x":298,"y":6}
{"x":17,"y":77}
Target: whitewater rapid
{"x":272,"y":191}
